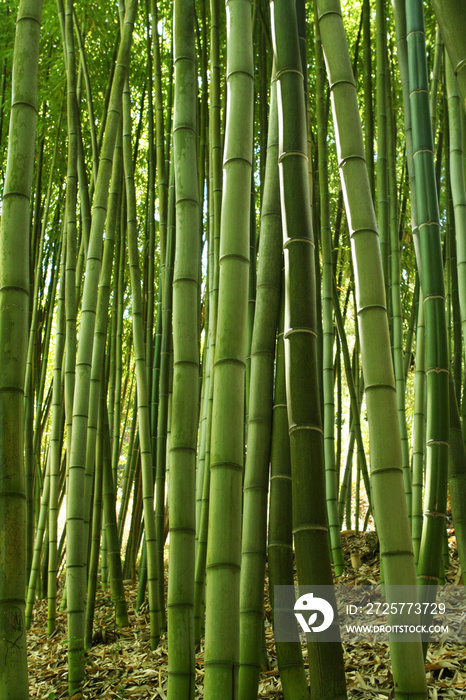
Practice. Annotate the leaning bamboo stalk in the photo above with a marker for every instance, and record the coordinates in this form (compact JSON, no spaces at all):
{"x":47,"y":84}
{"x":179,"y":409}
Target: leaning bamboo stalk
{"x":452,"y":22}
{"x":385,"y":442}
{"x":328,"y":377}
{"x":75,"y":511}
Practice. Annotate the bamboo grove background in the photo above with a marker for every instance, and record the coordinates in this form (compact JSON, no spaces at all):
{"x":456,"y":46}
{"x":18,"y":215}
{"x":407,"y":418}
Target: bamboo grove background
{"x":233,"y":295}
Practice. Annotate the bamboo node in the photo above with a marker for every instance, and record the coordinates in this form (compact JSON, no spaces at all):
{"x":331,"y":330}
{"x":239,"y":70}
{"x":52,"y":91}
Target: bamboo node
{"x":287,"y":154}
{"x":438,"y":370}
{"x":372,"y":387}
{"x":310,"y":526}
{"x":342,"y":81}
{"x":291,"y":331}
{"x":284,"y":71}
{"x":353,"y":156}
{"x":329,"y":12}
{"x":431,"y":443}
{"x":298,"y":239}
{"x":419,"y":91}
{"x":234,"y":256}
{"x":460,"y":67}
{"x":371,"y":306}
{"x":435,"y":514}
{"x":304,"y":426}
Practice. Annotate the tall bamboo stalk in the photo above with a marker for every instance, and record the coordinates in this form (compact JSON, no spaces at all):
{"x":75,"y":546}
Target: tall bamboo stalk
{"x":328,"y":377}
{"x":310,"y":529}
{"x":14,"y":300}
{"x":452,"y":23}
{"x":75,"y":511}
{"x":143,"y":400}
{"x":259,"y":429}
{"x":227,"y":444}
{"x":280,"y":536}
{"x":385,"y":442}
{"x":432,"y":284}
{"x":186,"y":314}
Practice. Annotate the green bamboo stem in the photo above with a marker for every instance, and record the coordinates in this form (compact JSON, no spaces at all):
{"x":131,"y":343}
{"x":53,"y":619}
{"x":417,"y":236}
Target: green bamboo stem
{"x":128,"y":476}
{"x":113,"y":544}
{"x":395,"y":297}
{"x":136,"y":529}
{"x":120,"y":284}
{"x":367,"y":84}
{"x":162,"y":181}
{"x":310,"y":529}
{"x":201,"y":534}
{"x":382,"y":166}
{"x":227,"y":445}
{"x":251,"y":294}
{"x":89,"y":100}
{"x":280,"y":537}
{"x":339,"y":408}
{"x":70,"y":217}
{"x":455,"y":330}
{"x":452,"y":23}
{"x":39,"y":536}
{"x":76,"y":505}
{"x":345,"y":488}
{"x":328,"y":377}
{"x":14,"y":295}
{"x":431,"y":276}
{"x":457,"y":478}
{"x":96,"y":526}
{"x":42,"y":583}
{"x":385,"y":442}
{"x":259,"y":427}
{"x":30,"y":437}
{"x":402,"y":51}
{"x":418,"y":437}
{"x":185,"y":406}
{"x":434,"y":81}
{"x":154,"y":412}
{"x":141,"y":372}
{"x":100,"y":328}
{"x":204,"y":455}
{"x":408,"y":355}
{"x":162,"y":421}
{"x":110,"y":368}
{"x":458,"y":189}
{"x":56,"y":441}
{"x":354,"y":397}
{"x":150,"y":227}
{"x":215,"y":205}
{"x":203,"y":415}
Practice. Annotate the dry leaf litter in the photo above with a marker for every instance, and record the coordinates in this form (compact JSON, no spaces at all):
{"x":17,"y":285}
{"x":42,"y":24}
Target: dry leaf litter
{"x":121,"y":665}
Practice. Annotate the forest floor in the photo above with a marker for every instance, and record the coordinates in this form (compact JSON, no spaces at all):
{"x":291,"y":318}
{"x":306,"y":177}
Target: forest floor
{"x":121,"y":664}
